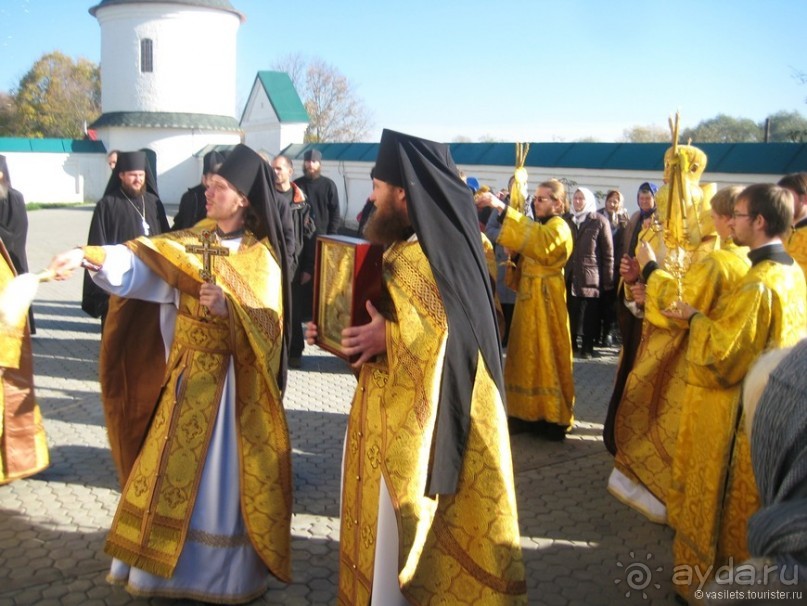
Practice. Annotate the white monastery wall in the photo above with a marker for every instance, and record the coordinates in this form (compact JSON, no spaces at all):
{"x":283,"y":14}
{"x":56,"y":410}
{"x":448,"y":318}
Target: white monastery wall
{"x":58,"y":177}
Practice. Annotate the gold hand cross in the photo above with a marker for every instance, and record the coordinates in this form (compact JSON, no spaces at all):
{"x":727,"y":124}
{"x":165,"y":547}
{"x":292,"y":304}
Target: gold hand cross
{"x":207,"y":250}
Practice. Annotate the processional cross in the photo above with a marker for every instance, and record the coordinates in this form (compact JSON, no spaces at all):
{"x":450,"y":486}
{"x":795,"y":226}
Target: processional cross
{"x":208,"y":249}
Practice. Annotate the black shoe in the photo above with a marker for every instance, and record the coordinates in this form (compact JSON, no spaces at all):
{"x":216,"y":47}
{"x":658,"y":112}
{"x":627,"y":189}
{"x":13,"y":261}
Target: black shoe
{"x":587,"y":354}
{"x":553,"y":432}
{"x":516,"y":425}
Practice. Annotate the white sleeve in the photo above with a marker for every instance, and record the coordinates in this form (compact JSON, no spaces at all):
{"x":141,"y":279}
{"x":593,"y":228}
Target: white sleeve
{"x":125,"y":275}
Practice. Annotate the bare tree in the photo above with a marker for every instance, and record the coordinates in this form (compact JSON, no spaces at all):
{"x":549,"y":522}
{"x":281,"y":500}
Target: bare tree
{"x":294,"y":66}
{"x":335,"y":111}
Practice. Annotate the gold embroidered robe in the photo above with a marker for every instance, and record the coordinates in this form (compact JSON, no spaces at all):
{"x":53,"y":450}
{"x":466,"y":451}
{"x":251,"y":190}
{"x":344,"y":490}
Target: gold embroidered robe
{"x":647,"y":419}
{"x":455,"y":549}
{"x":796,"y":247}
{"x":152,"y":519}
{"x":538,"y":370}
{"x":707,"y":285}
{"x":765,"y":311}
{"x":23,"y":446}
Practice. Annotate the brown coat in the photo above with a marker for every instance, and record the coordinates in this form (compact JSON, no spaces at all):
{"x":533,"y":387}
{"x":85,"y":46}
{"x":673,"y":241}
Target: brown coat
{"x":589,"y":271}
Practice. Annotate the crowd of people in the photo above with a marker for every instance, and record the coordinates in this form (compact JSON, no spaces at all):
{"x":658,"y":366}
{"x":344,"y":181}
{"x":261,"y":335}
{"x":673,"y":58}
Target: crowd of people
{"x":695,"y":287}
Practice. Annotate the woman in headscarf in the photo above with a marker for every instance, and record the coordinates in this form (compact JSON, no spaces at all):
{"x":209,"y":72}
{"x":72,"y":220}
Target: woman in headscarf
{"x":589,"y":271}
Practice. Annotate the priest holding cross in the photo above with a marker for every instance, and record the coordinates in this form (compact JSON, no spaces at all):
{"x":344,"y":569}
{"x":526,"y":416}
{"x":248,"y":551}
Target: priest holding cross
{"x":200,"y":437}
{"x":207,"y":249}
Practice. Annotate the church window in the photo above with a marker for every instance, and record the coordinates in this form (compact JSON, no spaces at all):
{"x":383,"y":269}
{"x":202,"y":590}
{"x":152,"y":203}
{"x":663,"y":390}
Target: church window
{"x":147,"y":55}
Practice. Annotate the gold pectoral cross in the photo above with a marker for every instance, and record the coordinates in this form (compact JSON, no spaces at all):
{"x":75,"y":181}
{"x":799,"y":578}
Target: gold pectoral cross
{"x":208,"y":249}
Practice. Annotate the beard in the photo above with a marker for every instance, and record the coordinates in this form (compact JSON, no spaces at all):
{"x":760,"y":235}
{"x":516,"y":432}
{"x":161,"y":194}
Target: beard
{"x":133,"y":191}
{"x":312,"y":173}
{"x":387,"y":227}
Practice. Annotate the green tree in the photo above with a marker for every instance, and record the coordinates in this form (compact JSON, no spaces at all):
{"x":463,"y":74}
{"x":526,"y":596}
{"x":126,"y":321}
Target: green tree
{"x":57,"y":96}
{"x":723,"y":129}
{"x":789,"y":127}
{"x":646,"y":134}
{"x":7,"y":115}
{"x":336,"y":112}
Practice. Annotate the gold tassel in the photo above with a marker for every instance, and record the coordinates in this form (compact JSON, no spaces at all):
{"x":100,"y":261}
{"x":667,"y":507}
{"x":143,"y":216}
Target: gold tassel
{"x":18,"y":295}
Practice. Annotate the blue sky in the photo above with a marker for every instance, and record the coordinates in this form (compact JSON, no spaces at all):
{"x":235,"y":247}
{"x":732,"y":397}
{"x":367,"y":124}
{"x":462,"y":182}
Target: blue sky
{"x":534,"y":70}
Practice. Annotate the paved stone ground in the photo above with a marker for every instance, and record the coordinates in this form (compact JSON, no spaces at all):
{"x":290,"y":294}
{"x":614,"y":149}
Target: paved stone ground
{"x":580,"y":545}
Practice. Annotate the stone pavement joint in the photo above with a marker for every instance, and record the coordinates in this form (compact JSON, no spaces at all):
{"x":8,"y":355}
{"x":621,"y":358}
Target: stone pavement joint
{"x":577,"y":539}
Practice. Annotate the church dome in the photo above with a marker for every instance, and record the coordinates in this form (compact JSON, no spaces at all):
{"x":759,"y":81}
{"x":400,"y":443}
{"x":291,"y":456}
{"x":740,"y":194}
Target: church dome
{"x":214,"y":4}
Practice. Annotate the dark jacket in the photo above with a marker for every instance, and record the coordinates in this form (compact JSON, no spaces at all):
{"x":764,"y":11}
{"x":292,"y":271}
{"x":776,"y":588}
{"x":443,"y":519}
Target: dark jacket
{"x":14,"y":229}
{"x":305,"y":232}
{"x":323,"y":197}
{"x":590,"y":269}
{"x":192,"y":208}
{"x":618,"y":225}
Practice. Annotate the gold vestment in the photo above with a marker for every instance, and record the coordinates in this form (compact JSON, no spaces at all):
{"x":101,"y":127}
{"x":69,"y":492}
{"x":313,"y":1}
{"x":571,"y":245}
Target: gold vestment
{"x":461,"y":548}
{"x":151,"y":522}
{"x":796,"y":247}
{"x":23,"y":446}
{"x":717,"y":488}
{"x":708,"y":284}
{"x":538,"y":369}
{"x":647,"y":418}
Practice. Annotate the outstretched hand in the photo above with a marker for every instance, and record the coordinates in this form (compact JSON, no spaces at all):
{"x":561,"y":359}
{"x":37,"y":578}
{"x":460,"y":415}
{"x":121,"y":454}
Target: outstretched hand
{"x":367,"y":340}
{"x":489,"y":199}
{"x":64,"y":264}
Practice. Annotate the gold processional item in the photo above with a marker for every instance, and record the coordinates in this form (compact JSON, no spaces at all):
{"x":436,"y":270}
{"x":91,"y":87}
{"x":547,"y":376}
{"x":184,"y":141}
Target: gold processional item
{"x":518,"y":190}
{"x":207,"y":250}
{"x":677,"y":237}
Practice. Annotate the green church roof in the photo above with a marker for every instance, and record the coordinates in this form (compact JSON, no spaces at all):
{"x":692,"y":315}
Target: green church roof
{"x":283,"y":96}
{"x":215,"y":4}
{"x":732,"y":158}
{"x":166,"y":120}
{"x":20,"y":144}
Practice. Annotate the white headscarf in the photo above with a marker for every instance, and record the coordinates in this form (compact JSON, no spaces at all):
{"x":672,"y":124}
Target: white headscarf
{"x":590,"y":206}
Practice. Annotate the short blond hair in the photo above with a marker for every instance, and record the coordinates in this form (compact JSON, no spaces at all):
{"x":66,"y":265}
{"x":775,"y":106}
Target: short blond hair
{"x":723,"y":201}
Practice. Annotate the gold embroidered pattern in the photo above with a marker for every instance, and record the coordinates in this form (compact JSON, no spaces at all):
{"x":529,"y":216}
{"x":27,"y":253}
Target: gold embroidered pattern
{"x":538,"y":370}
{"x":218,"y":540}
{"x":460,"y":549}
{"x":151,"y":525}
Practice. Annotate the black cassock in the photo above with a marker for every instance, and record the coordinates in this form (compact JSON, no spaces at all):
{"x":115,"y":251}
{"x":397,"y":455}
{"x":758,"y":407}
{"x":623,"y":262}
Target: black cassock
{"x":14,"y":233}
{"x":14,"y":229}
{"x":192,"y":208}
{"x":117,"y":219}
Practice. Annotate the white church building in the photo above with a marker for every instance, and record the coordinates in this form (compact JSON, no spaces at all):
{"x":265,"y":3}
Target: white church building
{"x":156,"y":90}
